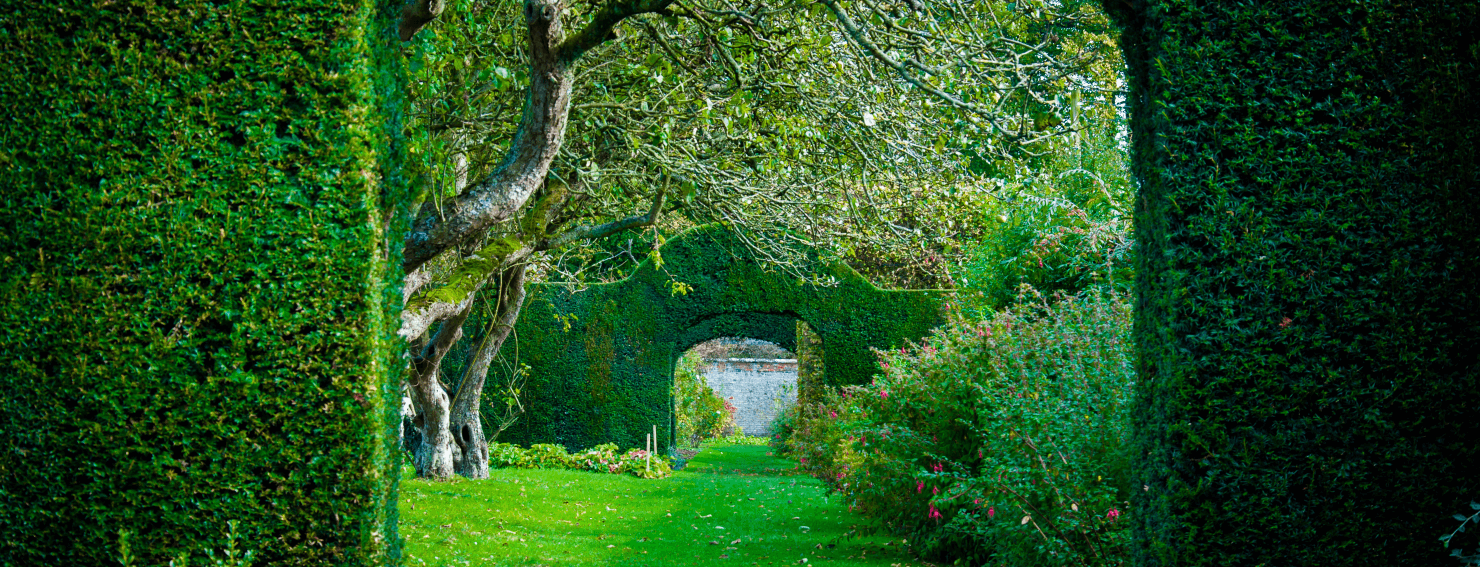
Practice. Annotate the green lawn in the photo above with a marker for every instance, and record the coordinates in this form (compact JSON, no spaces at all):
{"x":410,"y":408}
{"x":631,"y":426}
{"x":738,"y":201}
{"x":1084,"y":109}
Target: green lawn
{"x":732,"y":505}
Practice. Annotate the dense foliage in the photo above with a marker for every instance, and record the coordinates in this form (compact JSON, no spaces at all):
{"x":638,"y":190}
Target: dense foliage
{"x":997,"y":442}
{"x":196,"y":203}
{"x":698,"y":412}
{"x":1308,"y":289}
{"x":1066,"y":229}
{"x":605,"y":458}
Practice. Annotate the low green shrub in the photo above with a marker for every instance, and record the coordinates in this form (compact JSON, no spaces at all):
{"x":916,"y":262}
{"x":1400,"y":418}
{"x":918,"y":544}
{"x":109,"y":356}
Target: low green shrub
{"x":996,"y":442}
{"x":740,"y":438}
{"x":606,"y":458}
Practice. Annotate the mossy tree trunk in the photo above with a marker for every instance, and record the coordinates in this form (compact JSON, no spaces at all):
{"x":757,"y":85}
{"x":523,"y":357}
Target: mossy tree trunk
{"x":471,"y":457}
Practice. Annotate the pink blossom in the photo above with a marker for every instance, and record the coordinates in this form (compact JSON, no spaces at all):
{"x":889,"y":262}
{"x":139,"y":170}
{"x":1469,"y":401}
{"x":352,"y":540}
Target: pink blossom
{"x":884,"y":394}
{"x":840,"y":476}
{"x":886,"y":366}
{"x":832,"y":413}
{"x":804,"y":460}
{"x":920,"y":486}
{"x":1112,"y":514}
{"x":991,"y":511}
{"x":935,"y":491}
{"x":976,"y":501}
{"x":934,"y":514}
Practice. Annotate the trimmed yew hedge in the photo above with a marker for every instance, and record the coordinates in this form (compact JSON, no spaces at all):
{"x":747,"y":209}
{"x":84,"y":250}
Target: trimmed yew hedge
{"x":1309,"y":256}
{"x":196,"y":309}
{"x":609,"y":376}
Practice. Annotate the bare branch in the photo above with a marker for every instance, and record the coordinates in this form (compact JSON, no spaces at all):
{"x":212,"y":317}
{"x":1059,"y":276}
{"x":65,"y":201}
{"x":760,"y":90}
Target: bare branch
{"x":608,"y":229}
{"x":603,"y":23}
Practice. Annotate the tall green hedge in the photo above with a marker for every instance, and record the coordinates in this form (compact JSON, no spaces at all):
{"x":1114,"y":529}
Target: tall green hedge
{"x":196,"y":313}
{"x":1308,"y":315}
{"x":608,"y":376}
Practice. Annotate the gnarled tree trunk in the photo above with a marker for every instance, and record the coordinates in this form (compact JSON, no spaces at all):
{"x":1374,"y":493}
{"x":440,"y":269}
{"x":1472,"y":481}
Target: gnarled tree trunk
{"x":433,"y":457}
{"x":471,"y":458}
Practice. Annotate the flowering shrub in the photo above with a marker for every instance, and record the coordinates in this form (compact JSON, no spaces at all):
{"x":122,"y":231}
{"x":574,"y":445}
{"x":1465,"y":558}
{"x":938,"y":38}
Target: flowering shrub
{"x":997,"y":442}
{"x":701,"y":414}
{"x":605,"y":458}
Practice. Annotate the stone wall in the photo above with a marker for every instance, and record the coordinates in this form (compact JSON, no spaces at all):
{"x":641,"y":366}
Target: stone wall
{"x":756,"y":386}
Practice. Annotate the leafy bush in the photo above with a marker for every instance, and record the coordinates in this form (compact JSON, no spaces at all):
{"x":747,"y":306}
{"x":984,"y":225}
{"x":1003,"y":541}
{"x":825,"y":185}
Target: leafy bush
{"x":996,"y":442}
{"x":605,"y":458}
{"x":783,"y":427}
{"x":701,"y":414}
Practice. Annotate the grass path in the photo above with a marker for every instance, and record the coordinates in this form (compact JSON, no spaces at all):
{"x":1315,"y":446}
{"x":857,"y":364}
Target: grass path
{"x":732,"y":505}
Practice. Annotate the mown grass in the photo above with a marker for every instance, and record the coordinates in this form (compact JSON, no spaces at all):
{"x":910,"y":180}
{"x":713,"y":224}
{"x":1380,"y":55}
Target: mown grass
{"x":732,"y":505}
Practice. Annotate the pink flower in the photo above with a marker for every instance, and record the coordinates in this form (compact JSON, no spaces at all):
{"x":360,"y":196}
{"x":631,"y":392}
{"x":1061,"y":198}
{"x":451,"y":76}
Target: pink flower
{"x":991,"y":511}
{"x":935,"y":491}
{"x":884,"y":394}
{"x":886,"y":366}
{"x":832,"y":413}
{"x":1112,"y":514}
{"x":920,"y":486}
{"x":612,"y":467}
{"x":840,"y":476}
{"x":976,"y":501}
{"x":934,"y":514}
{"x":804,"y":460}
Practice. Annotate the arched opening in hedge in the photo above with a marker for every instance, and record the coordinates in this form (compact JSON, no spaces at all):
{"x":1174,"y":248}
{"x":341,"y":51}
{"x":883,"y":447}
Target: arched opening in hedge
{"x":601,"y":358}
{"x":731,"y":386}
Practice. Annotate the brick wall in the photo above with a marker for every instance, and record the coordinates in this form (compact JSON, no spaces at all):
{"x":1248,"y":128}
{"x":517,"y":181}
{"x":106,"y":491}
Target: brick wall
{"x":756,"y":386}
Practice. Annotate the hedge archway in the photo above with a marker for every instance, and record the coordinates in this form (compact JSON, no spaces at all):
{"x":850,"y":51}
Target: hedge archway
{"x":601,"y":358}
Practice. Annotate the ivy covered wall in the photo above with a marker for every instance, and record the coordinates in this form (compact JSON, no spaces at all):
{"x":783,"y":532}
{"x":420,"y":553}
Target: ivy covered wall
{"x":1308,"y":301}
{"x":196,"y":307}
{"x":608,"y":376}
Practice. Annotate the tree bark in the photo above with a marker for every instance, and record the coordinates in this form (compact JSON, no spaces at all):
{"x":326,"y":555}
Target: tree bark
{"x":472,"y":458}
{"x":434,"y":456}
{"x":500,"y":195}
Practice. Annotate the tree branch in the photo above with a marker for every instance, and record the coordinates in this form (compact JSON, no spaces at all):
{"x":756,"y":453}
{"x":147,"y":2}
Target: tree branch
{"x":417,"y":14}
{"x":500,"y":195}
{"x":608,"y":229}
{"x":602,"y":24}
